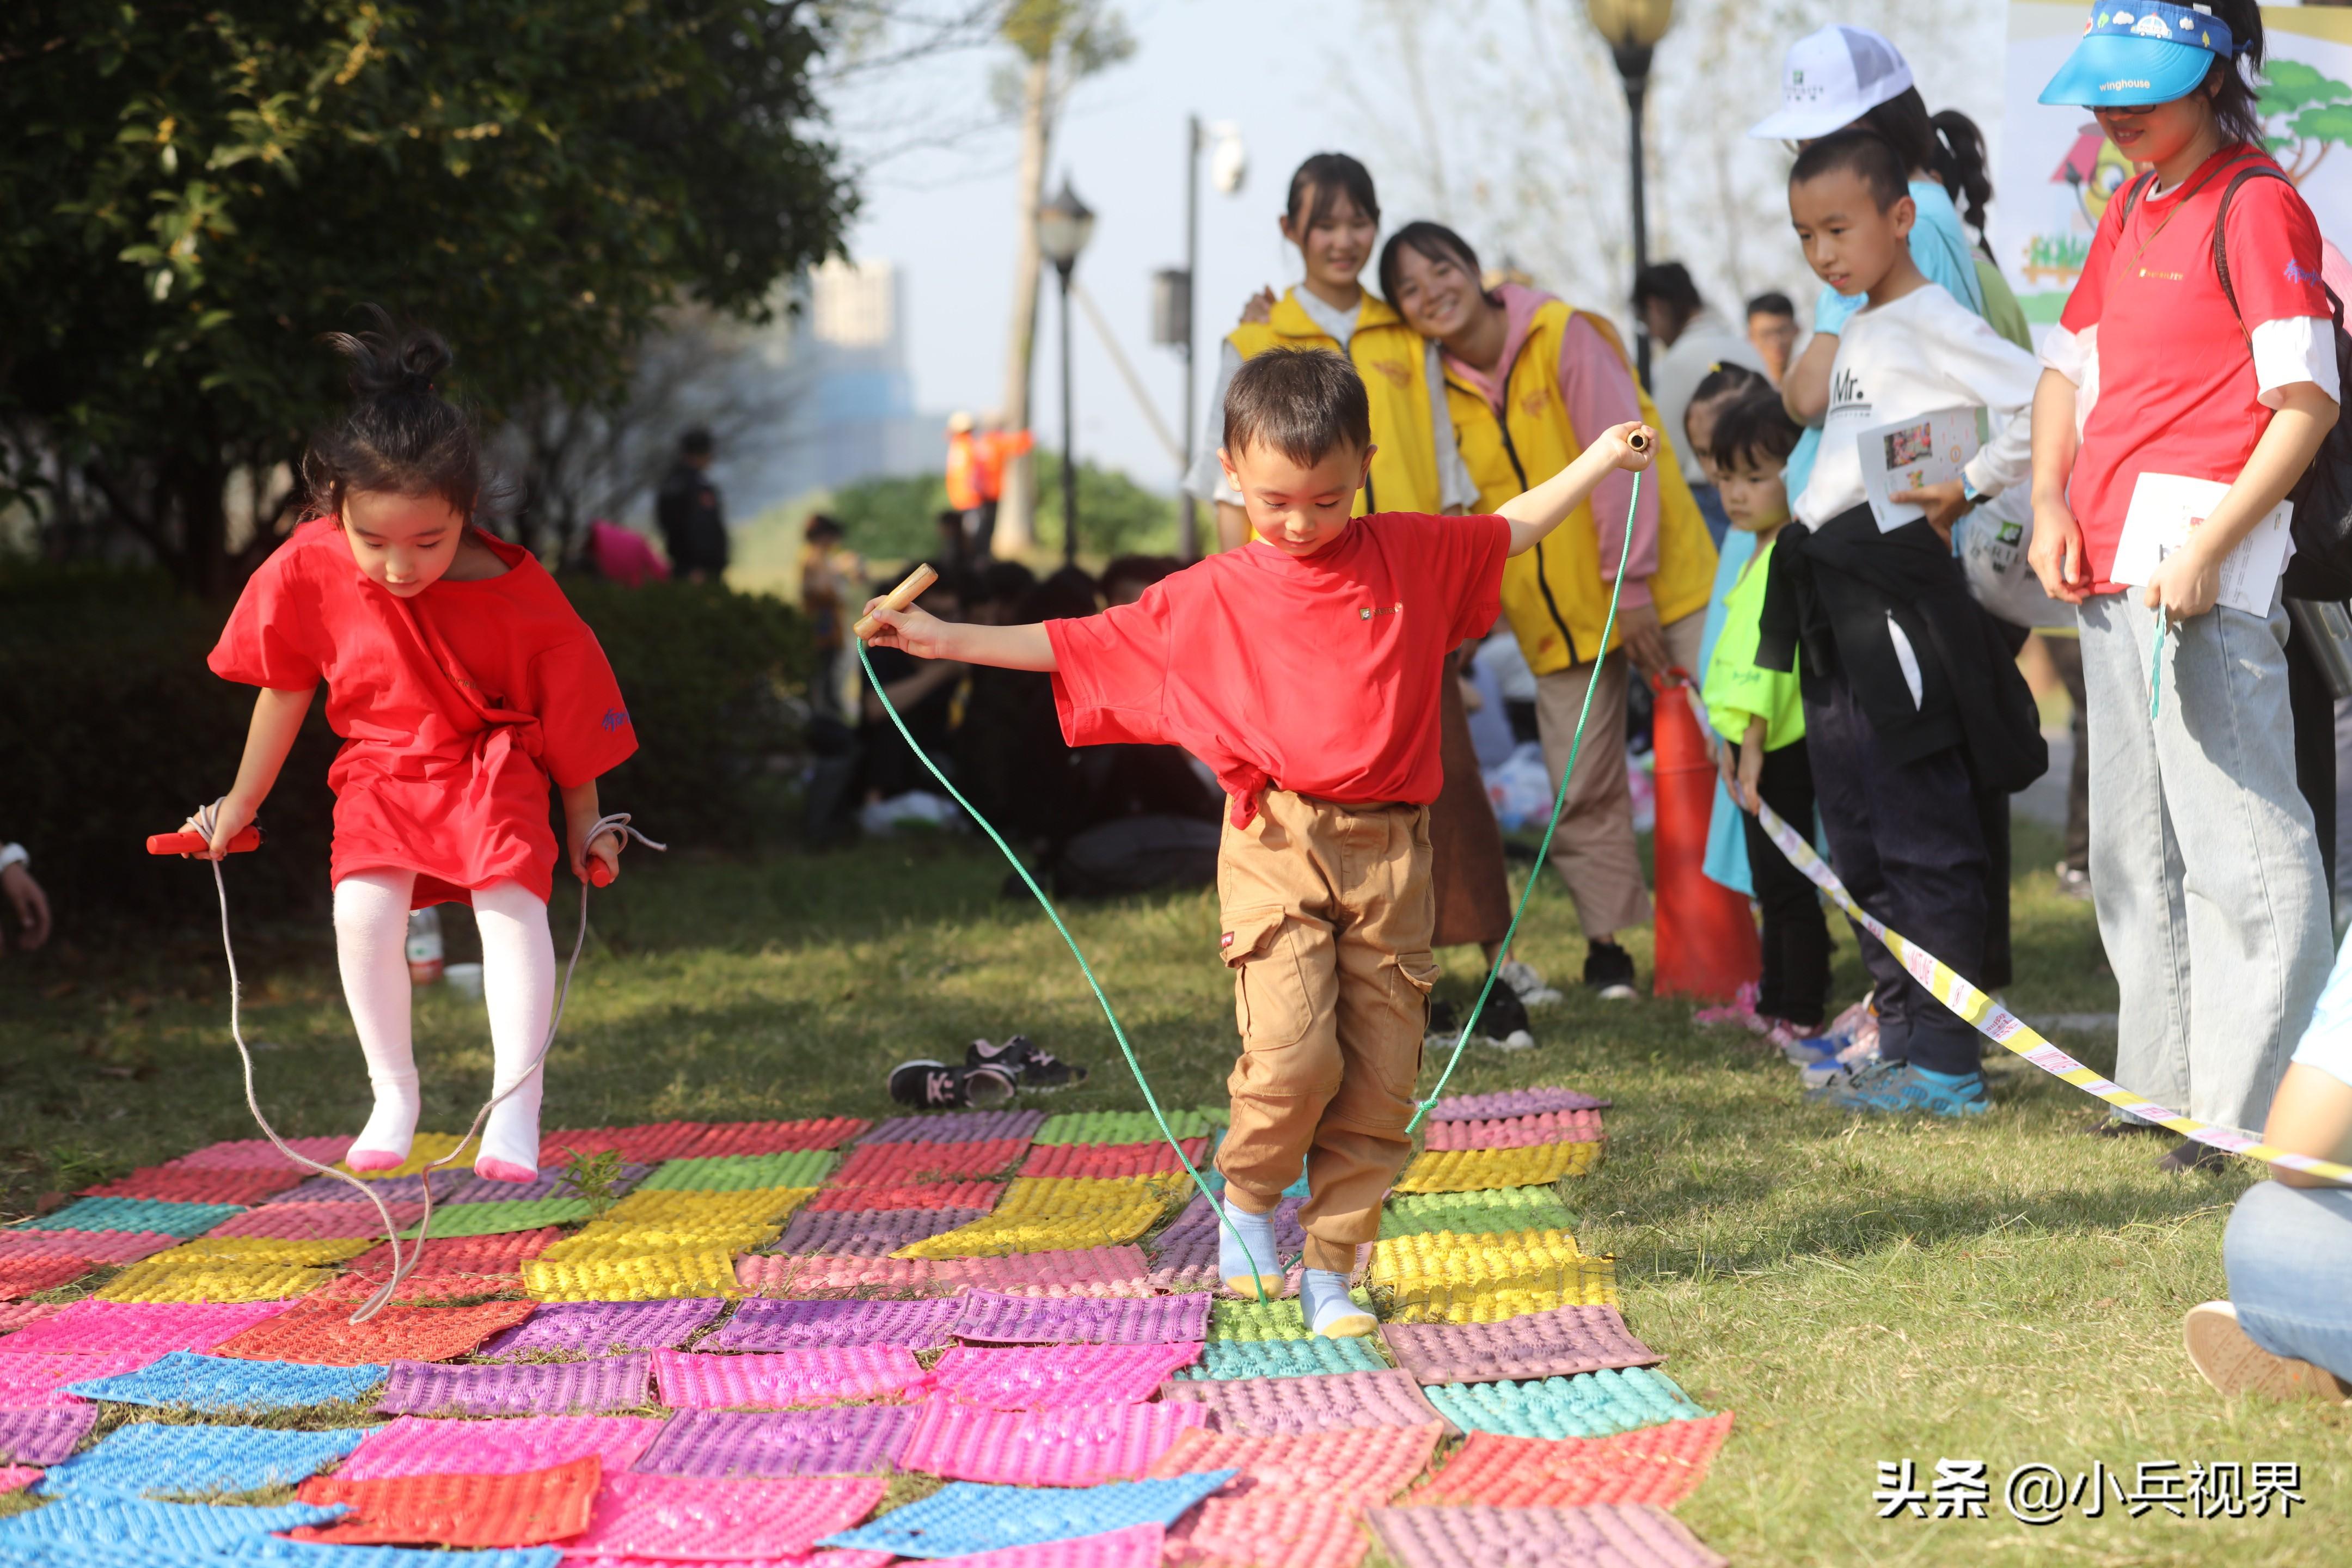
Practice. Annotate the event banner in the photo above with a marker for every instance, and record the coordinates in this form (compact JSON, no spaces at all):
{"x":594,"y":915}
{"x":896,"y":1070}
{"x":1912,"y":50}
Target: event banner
{"x":2057,"y":172}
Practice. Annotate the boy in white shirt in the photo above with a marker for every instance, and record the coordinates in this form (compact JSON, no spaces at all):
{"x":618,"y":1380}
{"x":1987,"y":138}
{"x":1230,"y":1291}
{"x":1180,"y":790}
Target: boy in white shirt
{"x":1916,"y":720}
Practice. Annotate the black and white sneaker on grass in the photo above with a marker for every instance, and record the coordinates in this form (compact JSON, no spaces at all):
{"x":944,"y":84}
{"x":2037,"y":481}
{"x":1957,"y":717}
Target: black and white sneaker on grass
{"x":1502,"y":1024}
{"x":934,"y":1086}
{"x":1608,"y":972}
{"x":1526,"y":982}
{"x":1030,"y":1065}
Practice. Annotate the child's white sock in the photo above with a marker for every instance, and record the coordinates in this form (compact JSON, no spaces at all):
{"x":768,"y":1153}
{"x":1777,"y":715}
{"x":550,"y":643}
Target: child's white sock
{"x":518,"y":987}
{"x":371,"y":950}
{"x":1323,"y":1298}
{"x":1246,"y":1272}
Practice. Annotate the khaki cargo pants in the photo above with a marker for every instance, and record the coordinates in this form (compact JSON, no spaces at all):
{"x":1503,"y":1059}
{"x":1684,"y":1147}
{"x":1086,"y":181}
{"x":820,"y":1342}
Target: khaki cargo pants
{"x":1327,"y":915}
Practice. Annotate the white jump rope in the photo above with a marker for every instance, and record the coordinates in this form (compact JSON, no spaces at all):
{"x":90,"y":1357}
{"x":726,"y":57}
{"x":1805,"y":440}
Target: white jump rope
{"x":206,"y":816}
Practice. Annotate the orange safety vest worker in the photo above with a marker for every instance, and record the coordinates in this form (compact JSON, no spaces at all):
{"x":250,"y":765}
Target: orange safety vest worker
{"x":976,"y":462}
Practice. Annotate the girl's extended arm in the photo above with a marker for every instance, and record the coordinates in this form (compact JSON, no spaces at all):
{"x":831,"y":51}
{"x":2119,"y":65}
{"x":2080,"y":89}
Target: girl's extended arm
{"x":579,"y":814}
{"x":927,"y":636}
{"x":2189,"y":581}
{"x":1541,"y":510}
{"x":277,"y":720}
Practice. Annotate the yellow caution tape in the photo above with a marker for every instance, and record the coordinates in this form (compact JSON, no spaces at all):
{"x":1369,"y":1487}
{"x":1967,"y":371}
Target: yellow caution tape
{"x":2005,"y":1029}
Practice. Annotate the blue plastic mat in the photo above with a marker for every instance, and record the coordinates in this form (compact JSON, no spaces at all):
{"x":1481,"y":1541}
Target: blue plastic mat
{"x":147,"y":1459}
{"x":140,"y":1214}
{"x":87,"y":1554}
{"x":965,"y":1517}
{"x":222,"y":1382}
{"x":155,"y":1528}
{"x":1284,"y":1358}
{"x":1590,"y":1405}
{"x":316,"y":1554}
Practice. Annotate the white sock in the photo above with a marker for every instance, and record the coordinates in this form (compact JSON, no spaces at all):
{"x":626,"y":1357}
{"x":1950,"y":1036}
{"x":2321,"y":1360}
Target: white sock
{"x":371,"y":950}
{"x":518,"y":986}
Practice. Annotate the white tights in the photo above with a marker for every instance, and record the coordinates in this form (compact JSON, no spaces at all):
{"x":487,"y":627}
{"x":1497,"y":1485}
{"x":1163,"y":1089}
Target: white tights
{"x":518,"y":984}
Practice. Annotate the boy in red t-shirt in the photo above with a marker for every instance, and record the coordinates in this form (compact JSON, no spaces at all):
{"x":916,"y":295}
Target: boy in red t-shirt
{"x":1303,"y":668}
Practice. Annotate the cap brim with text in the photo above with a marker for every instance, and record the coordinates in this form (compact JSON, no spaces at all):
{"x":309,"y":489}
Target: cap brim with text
{"x":2141,"y":53}
{"x":1830,"y":78}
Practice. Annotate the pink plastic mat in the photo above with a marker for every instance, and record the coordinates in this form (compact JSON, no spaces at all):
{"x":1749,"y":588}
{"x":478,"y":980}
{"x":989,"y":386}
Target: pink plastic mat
{"x":1512,"y":1102}
{"x":1357,"y":1465}
{"x":40,"y":1380}
{"x":829,"y":1274}
{"x":15,"y":1315}
{"x":260,"y":1154}
{"x":15,"y":1477}
{"x":1096,"y":1271}
{"x":1076,"y":1445}
{"x":783,"y":1378}
{"x":151,"y":1326}
{"x":904,"y":1164}
{"x":419,"y":1445}
{"x":1101,"y":1161}
{"x":1138,"y":1546}
{"x":1045,"y":1377}
{"x":98,"y":1245}
{"x":677,"y":1517}
{"x":1630,"y":1535}
{"x":309,"y":1221}
{"x":1518,"y":1131}
{"x":775,"y":1137}
{"x":993,"y":1316}
{"x":1271,"y":1406}
{"x":1266,"y":1531}
{"x":1560,"y":1342}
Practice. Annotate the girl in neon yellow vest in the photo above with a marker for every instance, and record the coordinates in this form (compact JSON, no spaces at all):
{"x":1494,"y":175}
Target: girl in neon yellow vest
{"x":1333,"y":217}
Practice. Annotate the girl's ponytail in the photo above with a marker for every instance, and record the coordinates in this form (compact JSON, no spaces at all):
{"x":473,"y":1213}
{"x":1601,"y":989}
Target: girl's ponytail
{"x":1958,"y":159}
{"x":401,"y":433}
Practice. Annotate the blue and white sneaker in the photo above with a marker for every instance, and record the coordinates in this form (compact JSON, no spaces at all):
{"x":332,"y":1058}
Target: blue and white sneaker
{"x":1811,"y":1050}
{"x":1898,"y":1089}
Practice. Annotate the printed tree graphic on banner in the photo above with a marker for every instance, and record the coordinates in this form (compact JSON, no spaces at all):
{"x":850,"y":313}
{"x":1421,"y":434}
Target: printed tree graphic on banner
{"x":2313,"y":110}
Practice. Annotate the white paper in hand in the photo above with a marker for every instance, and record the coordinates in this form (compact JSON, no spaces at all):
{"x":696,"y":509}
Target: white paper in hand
{"x":1926,"y":449}
{"x":2164,"y":508}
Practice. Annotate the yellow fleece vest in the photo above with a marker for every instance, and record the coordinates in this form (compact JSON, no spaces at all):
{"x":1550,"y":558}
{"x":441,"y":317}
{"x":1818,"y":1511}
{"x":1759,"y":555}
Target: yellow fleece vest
{"x":1557,"y":595}
{"x":1389,"y":356}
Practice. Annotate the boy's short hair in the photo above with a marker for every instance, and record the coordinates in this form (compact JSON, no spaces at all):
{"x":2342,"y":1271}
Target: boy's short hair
{"x":1669,"y":282}
{"x":1772,"y":304}
{"x":1868,"y":156}
{"x":1306,"y":404}
{"x":1754,"y":424}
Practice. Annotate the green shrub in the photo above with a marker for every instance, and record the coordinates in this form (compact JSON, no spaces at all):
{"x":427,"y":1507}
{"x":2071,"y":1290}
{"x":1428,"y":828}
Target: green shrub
{"x":114,"y":728}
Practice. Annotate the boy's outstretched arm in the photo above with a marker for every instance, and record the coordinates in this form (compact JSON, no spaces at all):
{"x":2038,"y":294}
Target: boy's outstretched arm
{"x":926,"y":635}
{"x":1541,"y":510}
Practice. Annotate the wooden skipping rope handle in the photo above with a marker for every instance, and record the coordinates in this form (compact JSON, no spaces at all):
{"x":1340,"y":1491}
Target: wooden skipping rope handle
{"x":919,"y":583}
{"x":1639,"y":440}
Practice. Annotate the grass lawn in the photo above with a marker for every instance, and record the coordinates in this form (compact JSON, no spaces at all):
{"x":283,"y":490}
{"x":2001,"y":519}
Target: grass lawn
{"x":2009,"y":1292}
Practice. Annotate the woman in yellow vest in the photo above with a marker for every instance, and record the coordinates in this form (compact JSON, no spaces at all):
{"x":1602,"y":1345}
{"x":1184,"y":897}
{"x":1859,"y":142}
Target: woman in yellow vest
{"x":1524,"y":374}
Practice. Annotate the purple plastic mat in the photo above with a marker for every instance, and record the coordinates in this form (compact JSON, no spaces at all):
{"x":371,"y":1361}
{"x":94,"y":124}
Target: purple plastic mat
{"x":731,"y":1444}
{"x":603,"y":1328}
{"x":1279,"y":1406}
{"x":1606,"y":1535}
{"x":868,"y":1233}
{"x":1512,"y":1102}
{"x":547,"y":1185}
{"x":1560,"y":1342}
{"x":762,"y":1325}
{"x":544,"y":1388}
{"x":956,"y":1127}
{"x":1199,"y":1221}
{"x":334,"y":1190}
{"x":43,"y":1437}
{"x":1049,"y":1377}
{"x":990,"y":1316}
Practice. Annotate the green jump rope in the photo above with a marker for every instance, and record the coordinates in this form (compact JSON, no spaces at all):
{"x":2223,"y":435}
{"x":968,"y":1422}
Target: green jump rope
{"x":1119,"y":1032}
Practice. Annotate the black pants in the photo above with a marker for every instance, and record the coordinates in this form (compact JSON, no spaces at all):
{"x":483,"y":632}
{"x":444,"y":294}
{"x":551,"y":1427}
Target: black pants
{"x":1796,"y":935}
{"x":1906,"y":841}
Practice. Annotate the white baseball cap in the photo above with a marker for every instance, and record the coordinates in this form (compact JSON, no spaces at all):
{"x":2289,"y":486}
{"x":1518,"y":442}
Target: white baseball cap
{"x":1830,"y":78}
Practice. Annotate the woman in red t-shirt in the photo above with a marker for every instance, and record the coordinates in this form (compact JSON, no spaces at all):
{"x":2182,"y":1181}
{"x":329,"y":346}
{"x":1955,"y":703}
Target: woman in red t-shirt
{"x":461,"y":681}
{"x":2159,"y":400}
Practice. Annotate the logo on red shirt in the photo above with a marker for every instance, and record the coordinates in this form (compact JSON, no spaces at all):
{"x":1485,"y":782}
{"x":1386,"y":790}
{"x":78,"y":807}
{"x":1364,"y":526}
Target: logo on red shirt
{"x":2296,"y":272}
{"x":616,"y":719}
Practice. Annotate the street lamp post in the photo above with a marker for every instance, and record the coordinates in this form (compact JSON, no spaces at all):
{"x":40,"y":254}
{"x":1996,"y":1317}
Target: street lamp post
{"x":1064,"y":226}
{"x":1175,"y":290}
{"x":1632,"y":29}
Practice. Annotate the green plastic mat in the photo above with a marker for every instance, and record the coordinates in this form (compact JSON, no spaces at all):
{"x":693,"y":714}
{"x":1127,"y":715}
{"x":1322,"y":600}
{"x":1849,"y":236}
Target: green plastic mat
{"x":742,"y":1173}
{"x":1284,"y":1358}
{"x":1119,"y":1127}
{"x":500,"y":1218}
{"x":1257,"y":1320}
{"x":1470,"y":1214}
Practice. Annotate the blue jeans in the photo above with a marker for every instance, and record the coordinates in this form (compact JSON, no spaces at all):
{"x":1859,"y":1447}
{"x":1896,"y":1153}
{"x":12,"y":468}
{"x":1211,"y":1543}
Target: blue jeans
{"x":2288,"y":1252}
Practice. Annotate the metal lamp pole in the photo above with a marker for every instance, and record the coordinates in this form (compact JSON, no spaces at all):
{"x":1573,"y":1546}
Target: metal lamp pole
{"x":1064,"y":226}
{"x":1632,"y":29}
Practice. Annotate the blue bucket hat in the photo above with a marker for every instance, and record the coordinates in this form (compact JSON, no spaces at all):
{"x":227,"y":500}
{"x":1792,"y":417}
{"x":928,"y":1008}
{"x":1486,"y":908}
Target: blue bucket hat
{"x":2138,"y":52}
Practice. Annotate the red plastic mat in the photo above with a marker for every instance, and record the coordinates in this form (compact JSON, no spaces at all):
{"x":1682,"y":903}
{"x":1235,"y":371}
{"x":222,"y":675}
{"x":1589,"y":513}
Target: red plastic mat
{"x":260,"y":1153}
{"x":910,"y":1165}
{"x":169,"y":1184}
{"x":98,"y":1245}
{"x":315,"y":1222}
{"x":21,"y":1277}
{"x":324,"y":1335}
{"x":775,"y":1137}
{"x":1630,"y":1536}
{"x":526,"y":1509}
{"x":1111,"y":1160}
{"x":1072,"y":1446}
{"x":1357,"y":1465}
{"x":1660,"y":1465}
{"x":648,"y":1144}
{"x":462,"y":1254}
{"x":1260,"y":1531}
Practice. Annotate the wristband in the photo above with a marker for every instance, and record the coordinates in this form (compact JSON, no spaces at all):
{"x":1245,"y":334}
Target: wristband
{"x":13,"y":854}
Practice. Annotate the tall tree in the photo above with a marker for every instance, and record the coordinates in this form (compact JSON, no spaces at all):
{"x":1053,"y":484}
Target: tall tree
{"x":1057,"y":44}
{"x":190,"y":194}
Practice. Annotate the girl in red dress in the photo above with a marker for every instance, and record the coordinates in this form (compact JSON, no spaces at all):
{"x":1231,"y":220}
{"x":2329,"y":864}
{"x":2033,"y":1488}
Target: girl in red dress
{"x":462,"y":683}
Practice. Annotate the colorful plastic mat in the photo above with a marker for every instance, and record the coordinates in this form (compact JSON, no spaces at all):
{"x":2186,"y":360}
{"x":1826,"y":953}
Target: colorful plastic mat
{"x":1630,"y":1536}
{"x":154,"y":1328}
{"x":742,"y":1173}
{"x":1071,"y":1446}
{"x":16,"y":1478}
{"x":701,"y":1271}
{"x":966,"y":1517}
{"x":1472,"y":1213}
{"x":222,"y":1382}
{"x":1045,"y":1377}
{"x":648,"y":1144}
{"x":145,"y":1457}
{"x":861,"y":1233}
{"x":1559,"y":1344}
{"x":325,"y":1334}
{"x":980,"y":1196}
{"x":1109,"y":1161}
{"x":139,"y":1215}
{"x":97,"y":1246}
{"x":604,"y":1241}
{"x":686,"y":1210}
{"x":315,"y":1222}
{"x":1518,"y":1131}
{"x":1051,"y":1214}
{"x":683,"y":1518}
{"x":1526,"y":1259}
{"x":748,"y":1445}
{"x":761,"y":1324}
{"x":503,"y":1216}
{"x":990,"y":1317}
{"x":261,"y":1154}
{"x":959,"y":1127}
{"x":784,"y":1378}
{"x":15,"y":1315}
{"x":463,"y":1255}
{"x":184,"y":1186}
{"x":37,"y":1379}
{"x":416,"y":1446}
{"x":1512,"y":1102}
{"x":1357,"y":1465}
{"x":45,"y":1434}
{"x":198,"y":1529}
{"x":554,"y":1183}
{"x":520,"y":1509}
{"x":1285,"y":1358}
{"x":1277,"y":1407}
{"x":1471,"y":1170}
{"x":22,"y":1276}
{"x":1282,"y":1319}
{"x":1265,"y":1529}
{"x":1660,"y":1465}
{"x":905,"y":1164}
{"x":306,"y":1251}
{"x":1585,"y":1281}
{"x":216,"y":1282}
{"x":600,"y":1328}
{"x":1590,"y":1405}
{"x":1121,"y":1127}
{"x":1137,"y":1546}
{"x":527,"y":1388}
{"x":777,"y":1137}
{"x":286,"y":1554}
